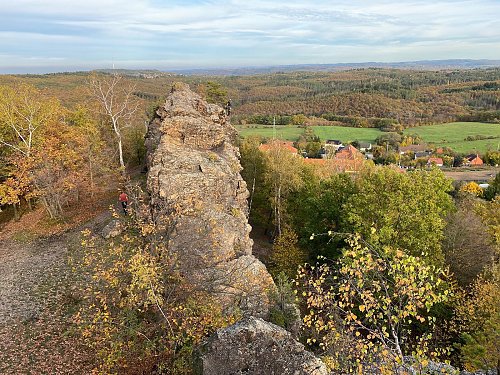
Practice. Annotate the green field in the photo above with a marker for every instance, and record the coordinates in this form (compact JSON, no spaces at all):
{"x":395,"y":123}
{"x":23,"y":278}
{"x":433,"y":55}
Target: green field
{"x":289,"y":133}
{"x":453,"y":135}
{"x":292,"y":133}
{"x":447,"y":135}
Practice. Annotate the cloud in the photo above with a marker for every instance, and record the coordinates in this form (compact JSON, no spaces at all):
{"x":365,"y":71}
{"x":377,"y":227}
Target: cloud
{"x":238,"y":32}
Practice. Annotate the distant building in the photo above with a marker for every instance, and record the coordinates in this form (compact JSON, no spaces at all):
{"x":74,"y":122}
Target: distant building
{"x":346,"y":159}
{"x":331,"y":147}
{"x":422,"y":154}
{"x":334,"y":142}
{"x":365,"y":146}
{"x":435,"y":161}
{"x":412,"y":148}
{"x":474,"y":159}
{"x":349,"y":153}
{"x":278,"y":143}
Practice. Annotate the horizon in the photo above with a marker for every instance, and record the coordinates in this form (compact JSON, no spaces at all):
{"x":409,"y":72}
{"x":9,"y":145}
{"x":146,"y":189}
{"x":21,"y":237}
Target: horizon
{"x":402,"y":65}
{"x":68,"y":36}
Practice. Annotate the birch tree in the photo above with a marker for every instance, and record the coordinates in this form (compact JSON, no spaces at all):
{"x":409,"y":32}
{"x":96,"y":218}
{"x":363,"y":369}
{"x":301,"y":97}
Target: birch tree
{"x":117,"y":104}
{"x":24,"y":113}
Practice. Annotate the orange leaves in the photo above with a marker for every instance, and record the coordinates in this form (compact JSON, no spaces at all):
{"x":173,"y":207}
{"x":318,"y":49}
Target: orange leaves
{"x":45,"y":153}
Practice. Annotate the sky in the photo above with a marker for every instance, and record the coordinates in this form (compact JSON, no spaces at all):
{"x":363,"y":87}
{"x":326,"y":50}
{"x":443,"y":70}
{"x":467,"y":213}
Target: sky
{"x":67,"y":35}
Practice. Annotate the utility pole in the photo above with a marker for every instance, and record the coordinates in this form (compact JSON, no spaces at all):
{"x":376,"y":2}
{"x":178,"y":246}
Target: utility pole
{"x":274,"y":127}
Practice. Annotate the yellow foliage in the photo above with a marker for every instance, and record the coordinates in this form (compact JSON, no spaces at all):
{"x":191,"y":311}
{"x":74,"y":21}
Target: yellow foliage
{"x":137,"y":311}
{"x":362,"y":308}
{"x":472,"y":188}
{"x":287,"y":255}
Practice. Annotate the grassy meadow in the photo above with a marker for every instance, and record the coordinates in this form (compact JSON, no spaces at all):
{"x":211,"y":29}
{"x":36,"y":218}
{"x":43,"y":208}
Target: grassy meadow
{"x":447,"y":135}
{"x":292,"y":133}
{"x":453,"y":135}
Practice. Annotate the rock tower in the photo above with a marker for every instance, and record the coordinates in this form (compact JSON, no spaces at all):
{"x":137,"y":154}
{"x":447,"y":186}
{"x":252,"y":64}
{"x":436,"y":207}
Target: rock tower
{"x":198,"y":195}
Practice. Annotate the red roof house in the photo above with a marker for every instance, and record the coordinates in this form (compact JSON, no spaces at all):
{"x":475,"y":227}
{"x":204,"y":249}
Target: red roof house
{"x":287,"y":145}
{"x":435,"y":161}
{"x":474,"y":159}
{"x":349,"y":153}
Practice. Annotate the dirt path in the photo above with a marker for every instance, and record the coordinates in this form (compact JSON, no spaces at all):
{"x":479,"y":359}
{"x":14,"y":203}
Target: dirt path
{"x":23,"y":268}
{"x":482,"y":175}
{"x":36,"y":286}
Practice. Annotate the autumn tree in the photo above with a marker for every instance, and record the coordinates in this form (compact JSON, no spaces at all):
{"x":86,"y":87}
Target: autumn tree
{"x":406,"y":209}
{"x":93,"y":149}
{"x":478,"y":318}
{"x":472,"y":188}
{"x":287,"y":256}
{"x":45,"y":149}
{"x":467,"y":244}
{"x":494,"y":189}
{"x":490,"y":214}
{"x":57,"y":168}
{"x":252,"y":161}
{"x":492,"y":157}
{"x":361,"y":309}
{"x":214,"y":92}
{"x":318,"y":206}
{"x":118,"y":104}
{"x":299,"y":119}
{"x":283,"y":176}
{"x":26,"y":115}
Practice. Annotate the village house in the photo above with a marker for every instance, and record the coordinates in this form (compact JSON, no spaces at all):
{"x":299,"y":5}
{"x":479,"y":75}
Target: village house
{"x":349,"y":153}
{"x":347,"y":159}
{"x":412,"y":148}
{"x":473,"y":159}
{"x":287,"y":145}
{"x":422,"y":154}
{"x":331,"y":147}
{"x":438,"y":162}
{"x":365,"y":146}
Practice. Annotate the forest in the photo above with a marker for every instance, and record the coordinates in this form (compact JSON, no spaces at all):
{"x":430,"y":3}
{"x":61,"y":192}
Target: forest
{"x":372,"y":97}
{"x":388,"y":269}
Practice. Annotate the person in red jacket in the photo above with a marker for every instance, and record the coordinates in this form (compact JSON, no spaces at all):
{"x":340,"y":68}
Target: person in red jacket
{"x":123,"y":198}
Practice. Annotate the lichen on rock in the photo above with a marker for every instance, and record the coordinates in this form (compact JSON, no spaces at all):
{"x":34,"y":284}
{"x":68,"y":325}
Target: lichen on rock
{"x":255,"y":347}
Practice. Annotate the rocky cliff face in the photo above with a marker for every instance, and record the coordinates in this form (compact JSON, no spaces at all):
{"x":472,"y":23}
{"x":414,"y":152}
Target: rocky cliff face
{"x":198,"y":196}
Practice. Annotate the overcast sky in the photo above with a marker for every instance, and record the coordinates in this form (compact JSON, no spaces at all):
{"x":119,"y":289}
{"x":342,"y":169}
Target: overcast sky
{"x":63,"y":35}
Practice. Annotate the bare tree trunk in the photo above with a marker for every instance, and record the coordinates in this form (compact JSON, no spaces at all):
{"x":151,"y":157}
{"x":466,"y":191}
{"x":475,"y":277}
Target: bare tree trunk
{"x":120,"y":151}
{"x":91,"y":172}
{"x":59,"y":208}
{"x":251,"y":197}
{"x":48,"y":208}
{"x":16,"y":212}
{"x":396,"y":341}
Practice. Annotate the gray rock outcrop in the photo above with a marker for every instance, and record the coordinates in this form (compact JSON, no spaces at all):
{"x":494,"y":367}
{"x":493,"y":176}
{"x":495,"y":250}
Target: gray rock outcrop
{"x":112,"y":229}
{"x":198,"y":196}
{"x":255,"y":347}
